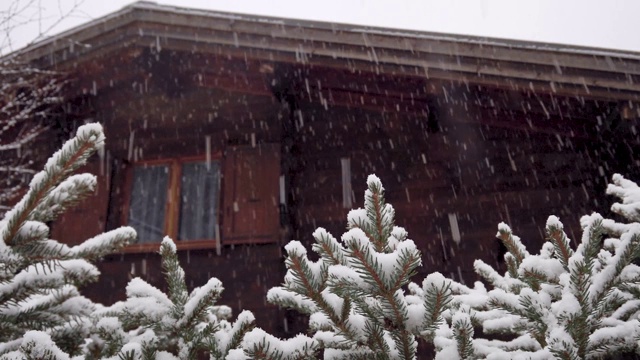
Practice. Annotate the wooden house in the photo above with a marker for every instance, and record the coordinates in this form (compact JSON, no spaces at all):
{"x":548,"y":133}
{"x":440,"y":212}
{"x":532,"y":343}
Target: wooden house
{"x":234,"y":134}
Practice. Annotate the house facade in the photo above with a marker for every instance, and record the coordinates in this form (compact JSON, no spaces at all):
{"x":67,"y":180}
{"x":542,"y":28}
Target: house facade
{"x":234,"y":134}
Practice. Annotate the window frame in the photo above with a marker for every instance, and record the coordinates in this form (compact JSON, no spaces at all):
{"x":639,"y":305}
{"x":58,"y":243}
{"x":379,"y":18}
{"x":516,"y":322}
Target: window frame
{"x":172,"y":205}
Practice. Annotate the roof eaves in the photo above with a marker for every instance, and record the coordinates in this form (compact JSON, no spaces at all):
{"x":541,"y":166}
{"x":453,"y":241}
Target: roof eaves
{"x":148,"y":6}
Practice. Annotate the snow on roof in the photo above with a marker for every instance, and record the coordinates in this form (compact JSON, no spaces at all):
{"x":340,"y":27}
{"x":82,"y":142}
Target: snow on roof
{"x":233,"y":17}
{"x":530,"y":45}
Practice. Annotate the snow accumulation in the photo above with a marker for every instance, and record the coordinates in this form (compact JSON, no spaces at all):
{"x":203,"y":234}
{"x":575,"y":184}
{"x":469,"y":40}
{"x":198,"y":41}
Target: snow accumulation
{"x":341,"y":273}
{"x":435,"y":280}
{"x":236,"y":354}
{"x":33,"y":230}
{"x":356,"y":238}
{"x":40,"y":275}
{"x":164,"y":355}
{"x":545,"y":294}
{"x":223,"y":338}
{"x":500,"y":321}
{"x":280,"y":295}
{"x":491,"y":275}
{"x":143,"y":300}
{"x":567,"y":305}
{"x":503,"y":228}
{"x":109,"y":324}
{"x":374,"y":182}
{"x":539,"y":286}
{"x":40,"y":346}
{"x":62,"y":191}
{"x":334,"y":301}
{"x":89,"y":133}
{"x":213,"y":14}
{"x":104,"y":240}
{"x":497,"y":42}
{"x":327,"y":246}
{"x":92,"y":132}
{"x":318,"y":321}
{"x":288,"y":347}
{"x":554,"y":222}
{"x":357,"y":217}
{"x":198,"y":296}
{"x":551,"y":268}
{"x":168,"y":242}
{"x":629,"y":192}
{"x":138,"y":288}
{"x":295,"y":247}
{"x":329,"y":338}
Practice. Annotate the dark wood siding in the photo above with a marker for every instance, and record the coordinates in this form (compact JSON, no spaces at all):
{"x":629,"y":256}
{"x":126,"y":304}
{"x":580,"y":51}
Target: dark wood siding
{"x":483,"y":164}
{"x":442,"y":148}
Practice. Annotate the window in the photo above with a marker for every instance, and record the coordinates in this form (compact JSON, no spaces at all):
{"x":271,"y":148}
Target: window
{"x":198,"y":201}
{"x":148,"y":200}
{"x":179,"y":198}
{"x":206,"y":204}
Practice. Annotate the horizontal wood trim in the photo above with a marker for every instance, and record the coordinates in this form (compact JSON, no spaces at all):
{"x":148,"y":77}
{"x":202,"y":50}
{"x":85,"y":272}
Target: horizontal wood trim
{"x":267,"y":239}
{"x":197,"y":244}
{"x":398,"y":58}
{"x":421,"y":69}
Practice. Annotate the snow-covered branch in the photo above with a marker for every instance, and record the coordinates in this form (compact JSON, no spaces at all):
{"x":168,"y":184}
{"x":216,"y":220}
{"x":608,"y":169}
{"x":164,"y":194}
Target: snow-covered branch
{"x":562,"y":303}
{"x":42,"y":313}
{"x":355,"y":293}
{"x":174,"y":325}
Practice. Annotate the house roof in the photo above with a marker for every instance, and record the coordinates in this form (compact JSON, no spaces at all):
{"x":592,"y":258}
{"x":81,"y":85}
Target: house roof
{"x":550,"y":68}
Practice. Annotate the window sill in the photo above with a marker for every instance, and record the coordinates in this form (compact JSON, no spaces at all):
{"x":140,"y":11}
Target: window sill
{"x":249,"y":240}
{"x":198,"y":244}
{"x":180,"y":245}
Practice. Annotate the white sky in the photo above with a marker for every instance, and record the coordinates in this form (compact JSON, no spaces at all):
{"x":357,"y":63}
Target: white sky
{"x":612,"y":24}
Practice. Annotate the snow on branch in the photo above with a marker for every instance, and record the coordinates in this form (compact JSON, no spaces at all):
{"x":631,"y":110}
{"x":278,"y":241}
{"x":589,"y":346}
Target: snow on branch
{"x":179,"y":324}
{"x":629,"y":193}
{"x":355,"y":293}
{"x":72,"y":155}
{"x":40,"y":305}
{"x":561,"y":303}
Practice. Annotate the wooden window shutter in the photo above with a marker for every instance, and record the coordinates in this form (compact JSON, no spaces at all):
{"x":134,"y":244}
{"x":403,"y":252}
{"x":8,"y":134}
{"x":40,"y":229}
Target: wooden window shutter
{"x":250,"y":191}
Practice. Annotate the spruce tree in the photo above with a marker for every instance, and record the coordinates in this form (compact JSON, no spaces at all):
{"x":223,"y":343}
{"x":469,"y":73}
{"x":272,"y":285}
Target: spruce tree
{"x":355,"y":293}
{"x":566,"y":302}
{"x":562,"y":303}
{"x":179,"y":325}
{"x":42,"y":314}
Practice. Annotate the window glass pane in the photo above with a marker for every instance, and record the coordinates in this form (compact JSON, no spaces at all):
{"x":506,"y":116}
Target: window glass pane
{"x":148,"y":201}
{"x":199,"y":200}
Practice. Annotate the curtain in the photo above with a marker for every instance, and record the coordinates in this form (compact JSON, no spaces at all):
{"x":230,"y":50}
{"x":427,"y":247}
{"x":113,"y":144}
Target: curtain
{"x":199,"y":200}
{"x":148,"y":201}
